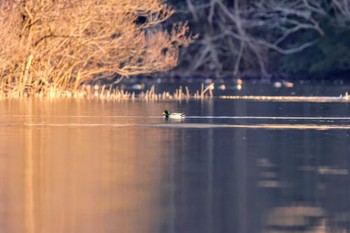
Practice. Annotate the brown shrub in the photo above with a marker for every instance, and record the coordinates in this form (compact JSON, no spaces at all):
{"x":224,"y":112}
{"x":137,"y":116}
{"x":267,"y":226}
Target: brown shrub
{"x":63,"y":43}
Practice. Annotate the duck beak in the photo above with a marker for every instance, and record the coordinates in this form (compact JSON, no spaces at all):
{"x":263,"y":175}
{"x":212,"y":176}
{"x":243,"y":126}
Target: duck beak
{"x":163,"y":113}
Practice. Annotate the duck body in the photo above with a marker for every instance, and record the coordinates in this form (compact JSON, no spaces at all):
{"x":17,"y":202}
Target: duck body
{"x":174,"y":115}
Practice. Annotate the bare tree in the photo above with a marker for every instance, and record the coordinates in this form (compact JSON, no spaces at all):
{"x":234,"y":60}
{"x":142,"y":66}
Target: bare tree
{"x":241,"y":35}
{"x":64,"y":43}
{"x":342,"y":11}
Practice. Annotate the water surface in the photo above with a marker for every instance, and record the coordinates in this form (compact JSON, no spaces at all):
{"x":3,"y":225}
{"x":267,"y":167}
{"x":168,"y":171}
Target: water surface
{"x":230,"y":166}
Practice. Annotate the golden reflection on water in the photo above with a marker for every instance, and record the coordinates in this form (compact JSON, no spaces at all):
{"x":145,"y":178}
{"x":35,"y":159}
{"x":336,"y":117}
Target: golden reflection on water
{"x":72,"y":167}
{"x":65,"y":179}
{"x":307,"y":219}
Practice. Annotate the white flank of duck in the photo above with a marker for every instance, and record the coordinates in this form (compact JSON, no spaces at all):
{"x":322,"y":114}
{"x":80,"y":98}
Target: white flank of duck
{"x":173,"y":115}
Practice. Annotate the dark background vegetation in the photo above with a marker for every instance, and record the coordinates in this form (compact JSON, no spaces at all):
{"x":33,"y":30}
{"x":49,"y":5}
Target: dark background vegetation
{"x":266,"y":38}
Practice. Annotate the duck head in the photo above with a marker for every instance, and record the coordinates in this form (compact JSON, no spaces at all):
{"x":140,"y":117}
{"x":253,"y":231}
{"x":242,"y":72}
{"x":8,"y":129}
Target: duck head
{"x":166,"y":113}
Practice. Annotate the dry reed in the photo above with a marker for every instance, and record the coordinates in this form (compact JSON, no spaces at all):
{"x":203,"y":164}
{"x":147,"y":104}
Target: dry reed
{"x":106,"y":93}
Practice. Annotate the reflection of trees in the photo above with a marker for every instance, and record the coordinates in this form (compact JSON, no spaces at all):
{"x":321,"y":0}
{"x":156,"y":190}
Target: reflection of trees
{"x":304,"y":219}
{"x":302,"y":177}
{"x":209,"y":173}
{"x":76,"y":179}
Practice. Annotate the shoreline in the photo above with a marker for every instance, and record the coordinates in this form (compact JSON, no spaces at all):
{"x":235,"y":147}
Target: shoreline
{"x":181,"y":75}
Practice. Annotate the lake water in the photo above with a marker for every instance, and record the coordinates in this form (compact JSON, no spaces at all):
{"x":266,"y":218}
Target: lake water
{"x":230,"y":166}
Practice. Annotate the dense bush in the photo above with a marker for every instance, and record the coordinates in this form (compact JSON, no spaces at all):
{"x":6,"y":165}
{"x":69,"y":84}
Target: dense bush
{"x":61,"y":44}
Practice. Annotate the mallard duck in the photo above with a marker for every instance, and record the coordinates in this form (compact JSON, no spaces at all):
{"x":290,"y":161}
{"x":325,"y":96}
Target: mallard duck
{"x":173,"y":115}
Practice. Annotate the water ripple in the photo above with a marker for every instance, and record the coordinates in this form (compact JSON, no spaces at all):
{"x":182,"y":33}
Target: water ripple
{"x":188,"y":117}
{"x":183,"y":125}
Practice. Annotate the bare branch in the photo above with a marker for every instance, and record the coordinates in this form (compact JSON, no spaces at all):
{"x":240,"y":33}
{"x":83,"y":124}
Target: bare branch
{"x":69,"y":42}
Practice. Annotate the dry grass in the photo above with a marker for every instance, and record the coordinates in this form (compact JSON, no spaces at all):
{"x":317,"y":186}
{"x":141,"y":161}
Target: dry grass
{"x":107,"y":93}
